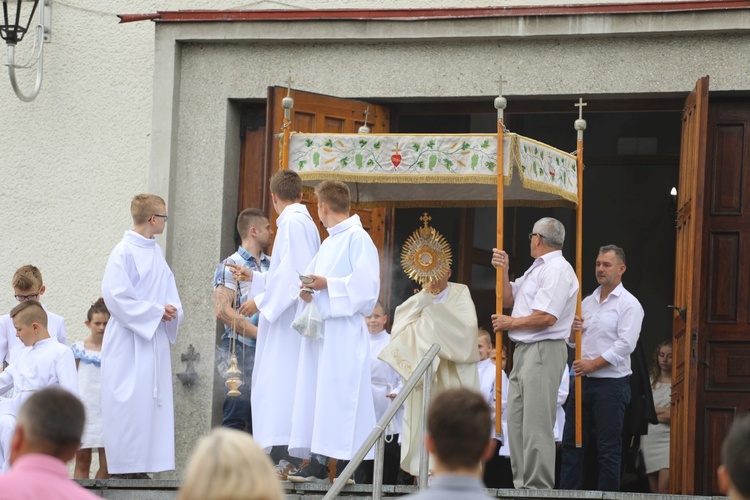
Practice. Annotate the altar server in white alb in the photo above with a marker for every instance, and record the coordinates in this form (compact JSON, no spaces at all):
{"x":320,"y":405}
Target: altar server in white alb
{"x":275,"y":296}
{"x":333,"y":410}
{"x":41,"y":362}
{"x":140,"y":292}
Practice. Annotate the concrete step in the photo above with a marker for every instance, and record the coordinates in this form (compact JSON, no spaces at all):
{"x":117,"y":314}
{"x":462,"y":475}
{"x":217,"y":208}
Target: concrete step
{"x":163,"y":489}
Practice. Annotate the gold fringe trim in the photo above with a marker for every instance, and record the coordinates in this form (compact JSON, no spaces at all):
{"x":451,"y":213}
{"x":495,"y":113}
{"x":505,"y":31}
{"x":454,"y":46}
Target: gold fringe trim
{"x":461,"y":204}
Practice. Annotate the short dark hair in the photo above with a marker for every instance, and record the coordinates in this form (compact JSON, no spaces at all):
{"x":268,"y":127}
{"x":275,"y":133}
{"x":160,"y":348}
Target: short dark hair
{"x":53,"y":419}
{"x":459,"y":424}
{"x":249,"y":218}
{"x":30,"y":311}
{"x":335,"y":194}
{"x":619,"y":252}
{"x":286,"y":185}
{"x":735,"y":456}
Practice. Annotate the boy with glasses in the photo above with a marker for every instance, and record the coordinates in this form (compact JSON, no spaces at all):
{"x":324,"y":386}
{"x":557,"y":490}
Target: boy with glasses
{"x":141,"y":295}
{"x":27,"y":285}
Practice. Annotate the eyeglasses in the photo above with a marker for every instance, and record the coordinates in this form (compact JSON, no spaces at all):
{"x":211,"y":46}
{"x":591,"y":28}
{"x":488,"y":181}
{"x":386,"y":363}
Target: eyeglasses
{"x":24,"y":298}
{"x":531,"y":235}
{"x":165,"y":217}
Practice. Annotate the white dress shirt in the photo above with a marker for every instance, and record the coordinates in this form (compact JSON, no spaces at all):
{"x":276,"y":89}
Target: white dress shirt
{"x":550,"y":285}
{"x":611,"y":329}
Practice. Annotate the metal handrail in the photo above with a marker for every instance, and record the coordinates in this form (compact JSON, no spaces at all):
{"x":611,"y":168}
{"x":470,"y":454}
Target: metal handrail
{"x":377,"y":436}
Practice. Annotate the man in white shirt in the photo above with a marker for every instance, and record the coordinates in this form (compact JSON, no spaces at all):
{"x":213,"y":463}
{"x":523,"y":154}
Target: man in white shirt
{"x":543,"y":301}
{"x":611,"y":325}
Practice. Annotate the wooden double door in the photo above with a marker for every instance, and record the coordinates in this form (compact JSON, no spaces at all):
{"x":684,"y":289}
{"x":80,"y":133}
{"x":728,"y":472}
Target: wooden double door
{"x":711,"y":333}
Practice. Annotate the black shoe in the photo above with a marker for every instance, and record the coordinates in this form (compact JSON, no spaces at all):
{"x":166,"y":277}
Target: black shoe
{"x":310,"y":473}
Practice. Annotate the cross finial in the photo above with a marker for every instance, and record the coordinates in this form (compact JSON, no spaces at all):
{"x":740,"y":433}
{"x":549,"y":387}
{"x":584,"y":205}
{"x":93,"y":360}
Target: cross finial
{"x":500,"y":82}
{"x":425,"y":219}
{"x":289,"y":86}
{"x":580,"y":106}
{"x":367,"y":114}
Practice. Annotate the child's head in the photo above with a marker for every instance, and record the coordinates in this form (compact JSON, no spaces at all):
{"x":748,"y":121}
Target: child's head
{"x":146,"y":207}
{"x":734,"y":473}
{"x":335,"y":195}
{"x":661,"y":361}
{"x":27,"y":283}
{"x":286,"y":185}
{"x":377,"y":319}
{"x":97,"y":317}
{"x":484,"y":341}
{"x":30,"y":320}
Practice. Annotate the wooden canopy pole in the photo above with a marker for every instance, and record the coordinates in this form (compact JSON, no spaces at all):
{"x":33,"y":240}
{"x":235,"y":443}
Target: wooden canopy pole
{"x":500,"y":105}
{"x":580,"y":126}
{"x":287,"y":103}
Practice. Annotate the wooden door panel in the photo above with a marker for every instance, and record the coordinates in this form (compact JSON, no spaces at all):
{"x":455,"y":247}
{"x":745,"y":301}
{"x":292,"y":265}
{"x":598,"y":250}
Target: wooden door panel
{"x":723,"y":259}
{"x":687,"y":289}
{"x":711,"y":372}
{"x":726,"y":169}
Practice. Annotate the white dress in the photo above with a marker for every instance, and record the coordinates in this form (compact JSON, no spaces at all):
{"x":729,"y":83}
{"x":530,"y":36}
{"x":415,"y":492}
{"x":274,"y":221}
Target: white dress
{"x":655,"y":444}
{"x":90,"y":392}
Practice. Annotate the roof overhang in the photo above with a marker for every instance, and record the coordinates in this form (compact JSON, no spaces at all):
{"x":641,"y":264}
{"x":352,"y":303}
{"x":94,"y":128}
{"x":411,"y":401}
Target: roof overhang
{"x":406,"y":15}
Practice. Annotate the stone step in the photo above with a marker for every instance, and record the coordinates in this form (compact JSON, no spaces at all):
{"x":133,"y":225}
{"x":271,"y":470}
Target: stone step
{"x":163,"y":489}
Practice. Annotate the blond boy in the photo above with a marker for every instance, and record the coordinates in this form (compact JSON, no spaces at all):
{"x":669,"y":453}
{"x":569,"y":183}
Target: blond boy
{"x":141,"y":295}
{"x":333,"y":408}
{"x":27,"y":285}
{"x":41,"y":362}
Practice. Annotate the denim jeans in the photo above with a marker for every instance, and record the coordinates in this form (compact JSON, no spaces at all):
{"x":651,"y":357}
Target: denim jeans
{"x":604,"y":404}
{"x":237,"y":410}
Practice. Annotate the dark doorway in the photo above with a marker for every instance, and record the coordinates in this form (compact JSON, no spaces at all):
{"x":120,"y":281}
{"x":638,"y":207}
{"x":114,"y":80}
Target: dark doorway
{"x":631,"y":159}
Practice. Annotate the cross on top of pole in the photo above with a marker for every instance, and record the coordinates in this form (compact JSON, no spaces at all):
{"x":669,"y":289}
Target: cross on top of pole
{"x":289,"y":86}
{"x":580,"y":104}
{"x":580,"y":123}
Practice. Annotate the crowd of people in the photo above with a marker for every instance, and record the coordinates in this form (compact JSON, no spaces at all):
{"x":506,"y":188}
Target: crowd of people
{"x":308,"y":333}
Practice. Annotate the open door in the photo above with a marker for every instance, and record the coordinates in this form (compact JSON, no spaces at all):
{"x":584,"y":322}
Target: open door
{"x":311,"y":113}
{"x":687,"y":290}
{"x":711,"y":360}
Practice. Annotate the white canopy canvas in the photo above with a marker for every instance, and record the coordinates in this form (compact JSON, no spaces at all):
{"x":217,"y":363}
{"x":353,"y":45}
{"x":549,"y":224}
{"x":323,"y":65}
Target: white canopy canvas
{"x":436,"y":170}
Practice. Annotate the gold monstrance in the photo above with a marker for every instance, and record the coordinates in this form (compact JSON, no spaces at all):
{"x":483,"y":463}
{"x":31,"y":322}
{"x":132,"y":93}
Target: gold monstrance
{"x":426,"y":255}
{"x":233,"y":374}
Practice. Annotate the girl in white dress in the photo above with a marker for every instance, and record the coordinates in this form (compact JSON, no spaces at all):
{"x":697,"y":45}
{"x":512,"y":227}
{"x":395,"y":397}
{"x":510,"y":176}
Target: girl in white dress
{"x":655,"y":444}
{"x":88,"y":361}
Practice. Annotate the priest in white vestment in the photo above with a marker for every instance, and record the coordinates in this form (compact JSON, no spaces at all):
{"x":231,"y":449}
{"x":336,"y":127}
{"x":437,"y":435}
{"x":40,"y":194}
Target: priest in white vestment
{"x":41,"y":362}
{"x":333,"y":410}
{"x":141,"y":295}
{"x":443,"y":313}
{"x":276,"y":297}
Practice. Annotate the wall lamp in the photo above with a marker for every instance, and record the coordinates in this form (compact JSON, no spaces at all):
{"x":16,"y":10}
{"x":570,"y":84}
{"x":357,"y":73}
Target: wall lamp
{"x":16,"y":21}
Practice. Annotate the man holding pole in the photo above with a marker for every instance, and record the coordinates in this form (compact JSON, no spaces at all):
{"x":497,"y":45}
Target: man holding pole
{"x":611,"y":325}
{"x":544,"y":302}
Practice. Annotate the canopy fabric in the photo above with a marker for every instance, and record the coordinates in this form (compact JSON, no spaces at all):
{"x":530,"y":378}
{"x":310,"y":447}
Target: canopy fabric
{"x":436,"y":170}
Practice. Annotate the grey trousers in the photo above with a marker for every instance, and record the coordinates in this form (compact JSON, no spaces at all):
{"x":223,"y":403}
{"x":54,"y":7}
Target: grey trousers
{"x":532,"y":404}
